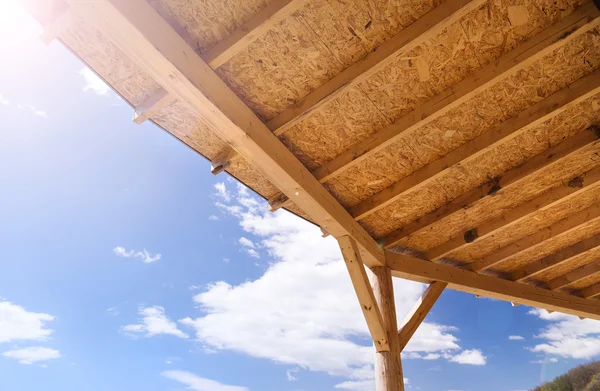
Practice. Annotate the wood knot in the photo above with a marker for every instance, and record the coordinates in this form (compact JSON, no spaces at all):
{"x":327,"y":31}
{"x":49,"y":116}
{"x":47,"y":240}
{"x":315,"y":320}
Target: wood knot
{"x":494,"y":186}
{"x":576,"y":182}
{"x":471,"y":235}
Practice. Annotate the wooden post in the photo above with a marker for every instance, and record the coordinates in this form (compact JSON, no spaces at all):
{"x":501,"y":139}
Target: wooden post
{"x":388,"y":368}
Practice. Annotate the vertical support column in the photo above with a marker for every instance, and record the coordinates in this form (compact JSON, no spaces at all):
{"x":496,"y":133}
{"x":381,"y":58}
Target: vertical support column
{"x":388,"y":368}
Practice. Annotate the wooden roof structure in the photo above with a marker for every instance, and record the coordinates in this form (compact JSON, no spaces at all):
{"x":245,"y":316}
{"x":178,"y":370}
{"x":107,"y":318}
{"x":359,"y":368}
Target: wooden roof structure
{"x":449,"y":142}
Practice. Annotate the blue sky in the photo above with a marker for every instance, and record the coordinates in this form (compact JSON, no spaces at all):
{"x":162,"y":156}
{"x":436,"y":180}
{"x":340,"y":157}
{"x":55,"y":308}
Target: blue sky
{"x":127,"y":265}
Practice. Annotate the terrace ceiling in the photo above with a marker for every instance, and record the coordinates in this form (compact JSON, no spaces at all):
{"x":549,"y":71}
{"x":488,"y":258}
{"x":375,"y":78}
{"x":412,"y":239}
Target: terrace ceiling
{"x":450,"y":141}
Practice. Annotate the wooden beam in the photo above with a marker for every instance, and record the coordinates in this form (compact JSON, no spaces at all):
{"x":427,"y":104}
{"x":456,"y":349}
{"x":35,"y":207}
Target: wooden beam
{"x":58,"y":22}
{"x":502,"y":254}
{"x":365,"y":295}
{"x":423,"y":29}
{"x":223,"y":51}
{"x":590,"y":291}
{"x":157,"y":100}
{"x":411,"y":268}
{"x":581,"y":21}
{"x":222,"y":161}
{"x":256,"y":26}
{"x":560,"y":34}
{"x":533,"y":116}
{"x":417,"y":315}
{"x":545,"y":200}
{"x":278,"y":201}
{"x":574,"y":275}
{"x":150,"y":42}
{"x":388,"y":367}
{"x":509,"y":179}
{"x":555,"y":259}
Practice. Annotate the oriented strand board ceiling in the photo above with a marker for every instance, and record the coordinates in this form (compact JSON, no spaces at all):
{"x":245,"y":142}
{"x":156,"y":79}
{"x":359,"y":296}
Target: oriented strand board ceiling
{"x":461,"y":132}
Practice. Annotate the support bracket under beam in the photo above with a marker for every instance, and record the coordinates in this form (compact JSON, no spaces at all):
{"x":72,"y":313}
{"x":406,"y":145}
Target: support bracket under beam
{"x":417,"y":315}
{"x":363,"y":290}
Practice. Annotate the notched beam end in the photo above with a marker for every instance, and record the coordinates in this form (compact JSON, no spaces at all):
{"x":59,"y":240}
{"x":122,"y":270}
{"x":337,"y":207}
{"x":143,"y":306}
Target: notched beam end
{"x":279,"y":201}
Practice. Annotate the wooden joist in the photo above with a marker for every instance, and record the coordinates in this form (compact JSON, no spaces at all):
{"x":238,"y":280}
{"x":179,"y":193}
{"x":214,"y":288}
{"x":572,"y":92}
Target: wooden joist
{"x":509,"y":179}
{"x":362,"y":287}
{"x":223,"y":51}
{"x":555,"y":259}
{"x":157,"y":100}
{"x":535,"y":115}
{"x":579,"y":22}
{"x":415,"y":269}
{"x":502,"y":254}
{"x":256,"y":26}
{"x":574,"y":275}
{"x":590,"y":291}
{"x":58,"y":22}
{"x":423,"y":29}
{"x":151,"y":43}
{"x":417,"y":314}
{"x":574,"y":25}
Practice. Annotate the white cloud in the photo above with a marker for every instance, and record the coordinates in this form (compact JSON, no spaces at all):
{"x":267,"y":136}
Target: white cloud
{"x":246,"y":242}
{"x":37,"y":112}
{"x":471,"y":357}
{"x":222,"y":191}
{"x":568,"y":336}
{"x":114,"y":311}
{"x":144,"y":255}
{"x":93,"y":82}
{"x":516,"y":338}
{"x":4,"y":101}
{"x":197,"y":383}
{"x":154,"y":322}
{"x":291,"y":374}
{"x":32,"y":354}
{"x":303,"y":305}
{"x":213,"y":218}
{"x":16,"y":323}
{"x":361,"y":385}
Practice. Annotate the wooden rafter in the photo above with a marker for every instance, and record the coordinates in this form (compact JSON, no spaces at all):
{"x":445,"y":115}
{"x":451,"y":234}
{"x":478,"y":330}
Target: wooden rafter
{"x":590,"y":291}
{"x":223,"y":160}
{"x":500,"y":255}
{"x":509,"y":179}
{"x":223,"y":51}
{"x":507,"y":65}
{"x":58,"y":22}
{"x":363,"y":290}
{"x":415,"y":269}
{"x":423,"y":29}
{"x":417,"y":315}
{"x":141,"y":33}
{"x":153,"y":103}
{"x":540,"y":112}
{"x":574,"y":275}
{"x":555,"y":259}
{"x":577,"y":23}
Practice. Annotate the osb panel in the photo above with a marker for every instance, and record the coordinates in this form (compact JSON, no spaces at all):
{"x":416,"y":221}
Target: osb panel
{"x":502,"y":25}
{"x":492,"y":207}
{"x":328,"y":133}
{"x":566,"y":267}
{"x":422,"y":73}
{"x":374,"y":173}
{"x":487,"y":109}
{"x":280,"y":67}
{"x":341,"y":192}
{"x":353,"y":28}
{"x":95,"y":48}
{"x":585,"y":282}
{"x":552,"y":245}
{"x":181,"y":121}
{"x":204,"y":23}
{"x":524,"y":227}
